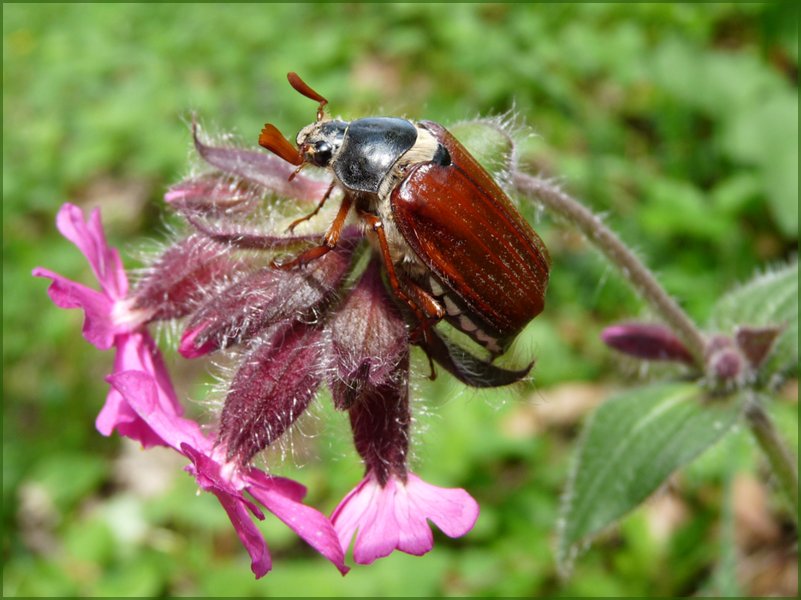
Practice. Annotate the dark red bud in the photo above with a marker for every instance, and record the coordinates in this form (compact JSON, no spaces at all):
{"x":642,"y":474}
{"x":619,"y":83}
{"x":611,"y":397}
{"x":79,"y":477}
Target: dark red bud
{"x":179,"y":279}
{"x":380,"y":422}
{"x":368,"y":340}
{"x":756,"y":343}
{"x":273,"y":387}
{"x":726,"y":365}
{"x":647,"y":341}
{"x":263,"y":298}
{"x":211,"y":195}
{"x":724,"y":360}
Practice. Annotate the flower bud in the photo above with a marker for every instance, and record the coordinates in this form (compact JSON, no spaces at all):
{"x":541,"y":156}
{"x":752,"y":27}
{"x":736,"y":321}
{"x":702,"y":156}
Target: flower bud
{"x":263,"y":298}
{"x":646,"y":341}
{"x":368,"y":341}
{"x":273,"y":387}
{"x":177,"y":281}
{"x":724,"y":361}
{"x":211,"y":195}
{"x":380,"y":422}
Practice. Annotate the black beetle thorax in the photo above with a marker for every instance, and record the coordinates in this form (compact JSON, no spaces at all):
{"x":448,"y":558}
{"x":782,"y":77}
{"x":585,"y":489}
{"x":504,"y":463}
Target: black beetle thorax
{"x":369,"y":150}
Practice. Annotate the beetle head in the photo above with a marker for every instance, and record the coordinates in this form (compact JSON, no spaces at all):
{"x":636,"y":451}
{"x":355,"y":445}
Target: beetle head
{"x":317,"y":143}
{"x":320,"y":142}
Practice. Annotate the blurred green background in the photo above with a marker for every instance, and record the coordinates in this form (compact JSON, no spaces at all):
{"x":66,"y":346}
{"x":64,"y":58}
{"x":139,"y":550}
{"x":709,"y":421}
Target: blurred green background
{"x":678,"y":122}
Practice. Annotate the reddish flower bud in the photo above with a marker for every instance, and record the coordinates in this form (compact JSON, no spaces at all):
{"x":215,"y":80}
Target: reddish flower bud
{"x":724,"y":361}
{"x":646,"y":341}
{"x":182,"y":275}
{"x":726,"y":365}
{"x":211,"y":195}
{"x":368,"y":341}
{"x":380,"y":422}
{"x":273,"y":387}
{"x":263,"y":298}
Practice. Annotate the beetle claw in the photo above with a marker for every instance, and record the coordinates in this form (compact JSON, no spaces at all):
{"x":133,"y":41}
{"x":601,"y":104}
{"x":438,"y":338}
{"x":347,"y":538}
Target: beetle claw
{"x":467,"y":368}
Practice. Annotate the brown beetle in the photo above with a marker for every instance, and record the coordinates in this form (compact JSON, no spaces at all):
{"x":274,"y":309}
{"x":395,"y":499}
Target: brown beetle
{"x":453,"y":244}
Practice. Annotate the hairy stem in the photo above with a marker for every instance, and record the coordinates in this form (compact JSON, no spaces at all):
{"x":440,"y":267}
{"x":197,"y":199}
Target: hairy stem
{"x":592,"y":226}
{"x":782,"y":462}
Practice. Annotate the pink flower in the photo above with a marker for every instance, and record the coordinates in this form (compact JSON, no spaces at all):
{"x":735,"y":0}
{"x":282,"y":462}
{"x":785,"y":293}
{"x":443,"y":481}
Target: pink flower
{"x":110,"y":321}
{"x":227,"y":481}
{"x":108,"y":314}
{"x":390,"y":508}
{"x":393,"y":516}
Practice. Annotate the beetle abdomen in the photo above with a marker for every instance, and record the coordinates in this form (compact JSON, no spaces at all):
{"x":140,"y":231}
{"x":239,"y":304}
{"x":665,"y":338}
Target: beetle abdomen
{"x":464,"y":228}
{"x":370,"y":148}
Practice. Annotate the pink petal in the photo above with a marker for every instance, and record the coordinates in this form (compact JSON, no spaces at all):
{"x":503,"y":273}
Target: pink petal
{"x":286,"y":487}
{"x":379,"y":530}
{"x":137,"y":352}
{"x":414,"y":533}
{"x":347,"y":516}
{"x":395,"y":517}
{"x":310,"y":525}
{"x":249,"y":534}
{"x":91,"y":241}
{"x":142,"y":394}
{"x":98,"y":328}
{"x":210,"y":477}
{"x":118,"y":415}
{"x":453,"y":510}
{"x":155,"y":408}
{"x":367,"y":513}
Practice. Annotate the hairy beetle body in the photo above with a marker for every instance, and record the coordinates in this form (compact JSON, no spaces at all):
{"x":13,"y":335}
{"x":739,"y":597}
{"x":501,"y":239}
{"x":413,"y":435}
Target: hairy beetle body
{"x":453,"y":244}
{"x":462,"y":225}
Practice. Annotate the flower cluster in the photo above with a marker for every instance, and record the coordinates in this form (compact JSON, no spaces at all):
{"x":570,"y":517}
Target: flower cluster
{"x":331,"y":323}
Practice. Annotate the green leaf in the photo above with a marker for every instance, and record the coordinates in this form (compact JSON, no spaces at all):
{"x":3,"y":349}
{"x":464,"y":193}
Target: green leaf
{"x":765,"y":133}
{"x":629,"y":446}
{"x":770,"y":298}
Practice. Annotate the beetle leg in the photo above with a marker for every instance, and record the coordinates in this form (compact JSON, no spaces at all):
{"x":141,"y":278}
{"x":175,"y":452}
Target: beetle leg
{"x":433,"y":310}
{"x":329,"y":241}
{"x":297,"y":222}
{"x":425,"y":308}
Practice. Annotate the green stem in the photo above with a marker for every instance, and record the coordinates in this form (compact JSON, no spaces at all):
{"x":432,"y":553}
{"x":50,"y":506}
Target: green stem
{"x":619,"y":254}
{"x":542,"y":191}
{"x":782,"y":462}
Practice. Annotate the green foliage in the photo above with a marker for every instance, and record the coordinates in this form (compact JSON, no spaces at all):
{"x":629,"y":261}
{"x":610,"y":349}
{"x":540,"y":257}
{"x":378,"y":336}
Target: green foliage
{"x":629,"y":447}
{"x":677,"y":121}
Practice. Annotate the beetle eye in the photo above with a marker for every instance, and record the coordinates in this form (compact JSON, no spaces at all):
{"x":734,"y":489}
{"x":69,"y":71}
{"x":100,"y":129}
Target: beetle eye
{"x":322,"y":154}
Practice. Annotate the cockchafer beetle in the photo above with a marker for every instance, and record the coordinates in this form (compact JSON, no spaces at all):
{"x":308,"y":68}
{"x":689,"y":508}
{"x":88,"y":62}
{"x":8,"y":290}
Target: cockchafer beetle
{"x":453,"y":244}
